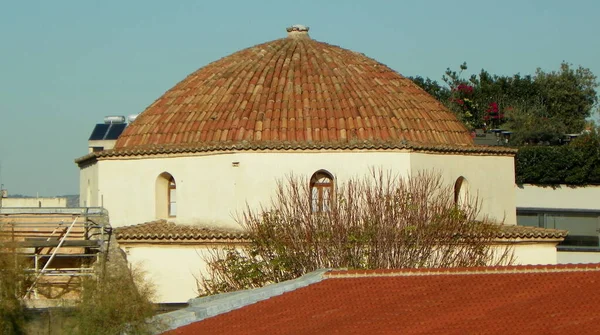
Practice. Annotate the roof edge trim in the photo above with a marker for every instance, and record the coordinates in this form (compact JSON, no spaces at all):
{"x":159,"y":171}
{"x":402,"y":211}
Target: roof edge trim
{"x":249,"y":146}
{"x":492,"y":270}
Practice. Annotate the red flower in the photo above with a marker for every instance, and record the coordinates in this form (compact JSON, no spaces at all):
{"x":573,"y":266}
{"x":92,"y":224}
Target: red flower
{"x":493,"y":107}
{"x":467,"y":89}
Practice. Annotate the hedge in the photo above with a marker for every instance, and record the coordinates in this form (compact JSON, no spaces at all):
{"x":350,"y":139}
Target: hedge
{"x":575,"y":164}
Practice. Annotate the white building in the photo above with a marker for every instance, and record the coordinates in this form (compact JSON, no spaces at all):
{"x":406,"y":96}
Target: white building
{"x":222,"y":138}
{"x":39,"y":202}
{"x":575,"y":209}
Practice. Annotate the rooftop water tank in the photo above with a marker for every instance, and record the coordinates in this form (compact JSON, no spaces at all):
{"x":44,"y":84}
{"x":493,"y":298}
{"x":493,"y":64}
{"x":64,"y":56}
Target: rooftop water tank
{"x":114,"y":119}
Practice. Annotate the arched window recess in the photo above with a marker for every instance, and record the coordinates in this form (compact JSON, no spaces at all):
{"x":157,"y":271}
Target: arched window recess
{"x":461,"y":192}
{"x":321,"y":191}
{"x":166,"y":196}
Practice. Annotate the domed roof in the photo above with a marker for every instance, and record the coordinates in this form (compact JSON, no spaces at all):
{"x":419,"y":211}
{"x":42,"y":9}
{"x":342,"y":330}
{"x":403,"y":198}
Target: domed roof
{"x":294,"y":90}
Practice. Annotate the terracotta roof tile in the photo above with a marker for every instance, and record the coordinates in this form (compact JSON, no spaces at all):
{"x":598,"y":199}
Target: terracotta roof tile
{"x":163,"y":231}
{"x":555,"y":299}
{"x":523,"y":232}
{"x":304,"y":79}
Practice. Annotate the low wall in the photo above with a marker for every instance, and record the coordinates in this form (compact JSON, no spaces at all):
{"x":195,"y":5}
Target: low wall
{"x":34,"y":202}
{"x":173,"y":269}
{"x":562,"y":196}
{"x":578,"y":257}
{"x":535,"y":253}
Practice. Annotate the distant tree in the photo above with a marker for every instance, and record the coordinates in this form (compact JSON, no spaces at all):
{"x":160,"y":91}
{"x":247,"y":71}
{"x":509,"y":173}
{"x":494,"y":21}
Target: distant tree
{"x":379,"y":222}
{"x":529,"y":127}
{"x":575,"y":164}
{"x":568,"y":94}
{"x":559,"y":101}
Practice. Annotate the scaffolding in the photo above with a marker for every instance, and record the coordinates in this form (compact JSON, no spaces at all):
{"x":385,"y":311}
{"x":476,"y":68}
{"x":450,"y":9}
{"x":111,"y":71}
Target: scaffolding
{"x":58,"y":246}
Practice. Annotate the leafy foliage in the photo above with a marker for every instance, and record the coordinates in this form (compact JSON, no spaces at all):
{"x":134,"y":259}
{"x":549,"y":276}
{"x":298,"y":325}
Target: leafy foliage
{"x":379,"y":222}
{"x":529,"y":128}
{"x":559,"y":100}
{"x":568,"y":94}
{"x":575,"y":164}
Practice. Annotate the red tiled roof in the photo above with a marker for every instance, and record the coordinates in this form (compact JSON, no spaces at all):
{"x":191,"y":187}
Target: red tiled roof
{"x":502,"y":300}
{"x":294,"y":90}
{"x":163,"y":231}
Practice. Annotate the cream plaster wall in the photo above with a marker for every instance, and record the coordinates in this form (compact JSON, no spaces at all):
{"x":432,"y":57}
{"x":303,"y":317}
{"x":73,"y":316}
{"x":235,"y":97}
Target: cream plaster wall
{"x":490,"y":178}
{"x":210,"y":190}
{"x":172,"y":269}
{"x":559,"y":197}
{"x":88,"y":186}
{"x":535,"y":253}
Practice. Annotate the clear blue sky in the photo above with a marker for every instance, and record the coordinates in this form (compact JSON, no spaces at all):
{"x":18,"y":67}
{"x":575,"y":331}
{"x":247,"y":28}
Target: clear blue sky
{"x":64,"y":65}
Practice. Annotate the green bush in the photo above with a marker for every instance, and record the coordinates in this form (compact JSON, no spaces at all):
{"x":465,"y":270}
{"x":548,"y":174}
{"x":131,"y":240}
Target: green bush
{"x":576,"y":164}
{"x":115,"y":303}
{"x":12,"y":289}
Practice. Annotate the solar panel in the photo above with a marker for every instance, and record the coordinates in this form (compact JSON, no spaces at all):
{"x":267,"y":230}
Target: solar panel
{"x":99,"y":132}
{"x":115,"y":131}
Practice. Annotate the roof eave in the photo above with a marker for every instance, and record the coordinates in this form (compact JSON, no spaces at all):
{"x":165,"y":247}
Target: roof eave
{"x":293,"y":146}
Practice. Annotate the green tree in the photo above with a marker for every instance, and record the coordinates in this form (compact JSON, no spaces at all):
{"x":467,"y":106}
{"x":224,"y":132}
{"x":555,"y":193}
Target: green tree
{"x":575,"y":164}
{"x":568,"y":94}
{"x":530,"y":128}
{"x":560,"y":101}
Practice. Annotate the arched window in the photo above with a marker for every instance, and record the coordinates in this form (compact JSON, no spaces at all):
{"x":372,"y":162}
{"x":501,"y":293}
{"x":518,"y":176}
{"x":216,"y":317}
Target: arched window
{"x":172,"y":198}
{"x":321,"y":190}
{"x":166,"y":196}
{"x":461,"y":191}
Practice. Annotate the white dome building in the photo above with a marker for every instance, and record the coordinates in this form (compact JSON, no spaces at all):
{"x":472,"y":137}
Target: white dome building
{"x":222,"y":138}
{"x":225,"y":134}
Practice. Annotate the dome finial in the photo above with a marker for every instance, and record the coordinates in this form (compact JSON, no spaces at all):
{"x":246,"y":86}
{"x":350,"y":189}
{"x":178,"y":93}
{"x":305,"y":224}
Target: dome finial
{"x":297,"y":31}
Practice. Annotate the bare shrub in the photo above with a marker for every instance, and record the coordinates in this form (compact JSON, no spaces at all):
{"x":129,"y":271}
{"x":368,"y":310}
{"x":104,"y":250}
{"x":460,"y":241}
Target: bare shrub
{"x":378,"y":222}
